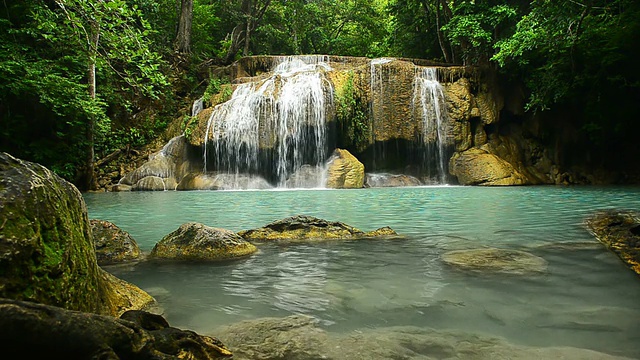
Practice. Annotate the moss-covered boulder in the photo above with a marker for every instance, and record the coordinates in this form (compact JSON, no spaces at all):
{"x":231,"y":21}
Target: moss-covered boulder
{"x":46,"y":248}
{"x":619,"y":231}
{"x":303,"y":227}
{"x":502,"y":261}
{"x":113,"y":245}
{"x":36,"y":331}
{"x":345,"y":171}
{"x":195,"y":241}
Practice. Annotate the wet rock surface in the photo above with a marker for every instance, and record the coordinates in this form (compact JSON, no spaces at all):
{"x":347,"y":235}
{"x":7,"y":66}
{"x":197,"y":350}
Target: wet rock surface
{"x":619,"y":231}
{"x":195,"y":241}
{"x":303,"y":227}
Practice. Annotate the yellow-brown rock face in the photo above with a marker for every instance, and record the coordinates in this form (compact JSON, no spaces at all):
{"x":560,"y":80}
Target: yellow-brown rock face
{"x":345,"y":171}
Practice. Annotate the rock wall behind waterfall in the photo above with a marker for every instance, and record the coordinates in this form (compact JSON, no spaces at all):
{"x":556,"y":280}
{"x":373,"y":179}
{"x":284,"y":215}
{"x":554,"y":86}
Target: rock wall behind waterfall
{"x":374,"y":109}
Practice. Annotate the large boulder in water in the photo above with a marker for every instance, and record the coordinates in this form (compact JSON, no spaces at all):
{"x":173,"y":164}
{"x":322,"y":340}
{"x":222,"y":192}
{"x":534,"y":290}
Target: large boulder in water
{"x":302,"y":227}
{"x":113,"y":245}
{"x":36,"y":331}
{"x":195,"y":241}
{"x":47,"y":252}
{"x":479,"y":167}
{"x":503,"y":261}
{"x":344,"y":171}
{"x":619,"y":231}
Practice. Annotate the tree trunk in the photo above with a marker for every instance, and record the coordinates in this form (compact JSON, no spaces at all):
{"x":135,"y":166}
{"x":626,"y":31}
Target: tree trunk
{"x":183,"y":37}
{"x":441,"y":40}
{"x":90,"y":176}
{"x":247,"y":37}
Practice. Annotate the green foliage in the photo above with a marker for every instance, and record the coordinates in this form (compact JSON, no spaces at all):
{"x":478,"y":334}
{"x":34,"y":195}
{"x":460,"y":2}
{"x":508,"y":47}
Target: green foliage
{"x":475,"y":27}
{"x":46,"y":47}
{"x":189,"y":123}
{"x":353,"y":115}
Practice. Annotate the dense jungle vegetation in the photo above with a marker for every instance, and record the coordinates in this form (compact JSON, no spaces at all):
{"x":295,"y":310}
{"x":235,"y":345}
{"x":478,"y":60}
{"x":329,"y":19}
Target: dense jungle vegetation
{"x":82,"y":78}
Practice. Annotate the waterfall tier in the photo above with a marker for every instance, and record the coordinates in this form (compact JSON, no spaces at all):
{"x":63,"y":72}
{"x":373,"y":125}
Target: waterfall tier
{"x":286,"y":112}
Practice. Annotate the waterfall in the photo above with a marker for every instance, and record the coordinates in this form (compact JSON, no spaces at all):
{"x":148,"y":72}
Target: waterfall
{"x":285,"y":112}
{"x":377,"y":97}
{"x":429,"y":105}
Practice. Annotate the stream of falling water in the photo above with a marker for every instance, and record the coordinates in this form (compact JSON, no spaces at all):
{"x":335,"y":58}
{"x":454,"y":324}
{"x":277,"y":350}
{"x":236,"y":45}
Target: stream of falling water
{"x":429,"y":104}
{"x":286,"y":111}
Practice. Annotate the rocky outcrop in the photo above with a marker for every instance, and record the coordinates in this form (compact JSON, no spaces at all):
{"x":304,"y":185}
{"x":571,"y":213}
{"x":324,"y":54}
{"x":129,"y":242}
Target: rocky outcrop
{"x":113,"y":245}
{"x":344,"y":171}
{"x":303,"y":227}
{"x":195,"y":241}
{"x":479,"y":167}
{"x":36,"y":331}
{"x":502,"y":261}
{"x":47,"y":251}
{"x":195,"y":181}
{"x":619,"y":231}
{"x":164,"y":169}
{"x":299,"y":337}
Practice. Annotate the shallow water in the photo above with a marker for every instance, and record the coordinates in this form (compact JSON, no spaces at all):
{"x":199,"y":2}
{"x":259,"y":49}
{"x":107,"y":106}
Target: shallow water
{"x":587,"y":299}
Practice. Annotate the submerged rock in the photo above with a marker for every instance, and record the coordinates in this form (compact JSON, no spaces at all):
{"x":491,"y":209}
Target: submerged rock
{"x":195,"y":241}
{"x":303,"y":227}
{"x":345,"y":171}
{"x":496,"y":261}
{"x":113,"y":245}
{"x":36,"y":331}
{"x":298,"y":337}
{"x":619,"y":231}
{"x":391,"y":180}
{"x":47,"y":247}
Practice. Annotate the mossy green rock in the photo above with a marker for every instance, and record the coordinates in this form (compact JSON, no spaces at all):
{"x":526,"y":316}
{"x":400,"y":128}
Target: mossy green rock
{"x":303,"y":227}
{"x":195,"y":241}
{"x":113,"y":245}
{"x":46,"y":247}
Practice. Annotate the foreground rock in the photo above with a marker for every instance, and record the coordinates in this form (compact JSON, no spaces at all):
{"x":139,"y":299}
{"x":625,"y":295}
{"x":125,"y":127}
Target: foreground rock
{"x":47,"y":248}
{"x":619,"y":231}
{"x":113,"y":245}
{"x":303,"y":227}
{"x":345,"y":171}
{"x":195,"y":241}
{"x":36,"y":331}
{"x":495,"y":261}
{"x":298,"y":337}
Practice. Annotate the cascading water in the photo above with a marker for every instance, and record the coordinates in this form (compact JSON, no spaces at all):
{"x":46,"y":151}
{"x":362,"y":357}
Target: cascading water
{"x":376,"y":109}
{"x":285,"y":112}
{"x":429,"y":105}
